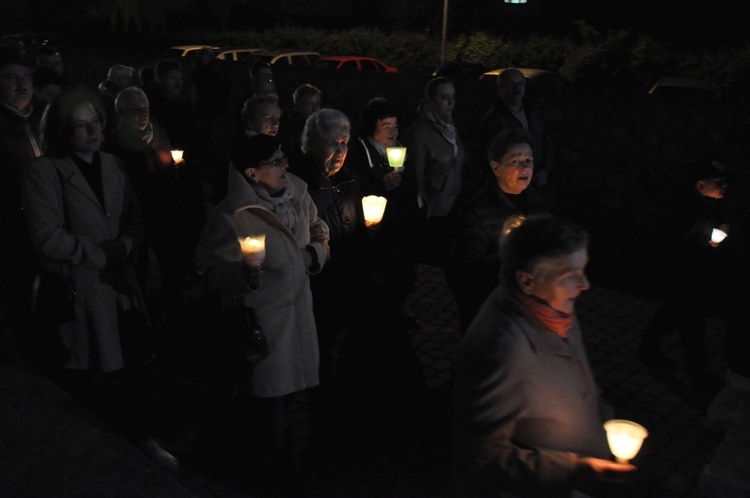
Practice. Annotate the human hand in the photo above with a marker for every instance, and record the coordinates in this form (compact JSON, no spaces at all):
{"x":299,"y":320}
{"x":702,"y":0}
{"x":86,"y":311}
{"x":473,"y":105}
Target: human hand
{"x":392,"y":179}
{"x":594,"y":469}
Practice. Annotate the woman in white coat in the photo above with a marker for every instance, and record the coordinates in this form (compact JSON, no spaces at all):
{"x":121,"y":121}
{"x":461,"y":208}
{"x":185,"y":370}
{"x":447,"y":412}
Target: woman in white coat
{"x":263,"y":198}
{"x":84,"y":223}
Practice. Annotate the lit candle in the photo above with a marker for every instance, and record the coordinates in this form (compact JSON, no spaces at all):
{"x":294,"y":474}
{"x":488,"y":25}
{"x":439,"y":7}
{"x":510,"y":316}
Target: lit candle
{"x":177,"y":156}
{"x":625,"y":438}
{"x":253,"y":249}
{"x":396,"y":156}
{"x":374,"y":207}
{"x":718,"y":235}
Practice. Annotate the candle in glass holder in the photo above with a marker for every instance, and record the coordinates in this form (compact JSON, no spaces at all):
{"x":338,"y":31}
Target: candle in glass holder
{"x":253,"y":249}
{"x":177,"y":156}
{"x":625,"y":438}
{"x":396,"y":156}
{"x":374,"y":207}
{"x":718,"y":235}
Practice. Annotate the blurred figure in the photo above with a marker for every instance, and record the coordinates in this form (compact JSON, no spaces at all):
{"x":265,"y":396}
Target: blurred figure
{"x":528,"y":418}
{"x":473,"y":269}
{"x":47,"y":85}
{"x":49,"y":56}
{"x":172,"y":208}
{"x":105,"y":348}
{"x":119,"y":77}
{"x":19,"y":144}
{"x":306,"y":100}
{"x":695,"y":273}
{"x":436,"y":160}
{"x":263,"y":197}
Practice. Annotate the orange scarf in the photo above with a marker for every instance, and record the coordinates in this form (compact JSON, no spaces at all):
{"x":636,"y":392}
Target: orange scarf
{"x":555,"y":320}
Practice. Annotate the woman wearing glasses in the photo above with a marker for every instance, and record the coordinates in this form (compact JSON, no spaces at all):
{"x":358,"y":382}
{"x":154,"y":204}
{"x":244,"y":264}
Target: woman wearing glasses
{"x":264,"y":198}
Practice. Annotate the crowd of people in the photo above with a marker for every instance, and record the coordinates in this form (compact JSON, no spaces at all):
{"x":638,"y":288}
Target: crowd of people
{"x":90,"y":188}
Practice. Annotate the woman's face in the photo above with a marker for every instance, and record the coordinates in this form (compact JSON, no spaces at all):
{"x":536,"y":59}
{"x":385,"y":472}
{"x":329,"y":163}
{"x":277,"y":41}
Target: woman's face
{"x":333,"y":152}
{"x":272,"y":172}
{"x":87,"y":129}
{"x":266,"y":122}
{"x":515,"y":169}
{"x":558,"y":281}
{"x":386,"y":132}
{"x":444,"y":99}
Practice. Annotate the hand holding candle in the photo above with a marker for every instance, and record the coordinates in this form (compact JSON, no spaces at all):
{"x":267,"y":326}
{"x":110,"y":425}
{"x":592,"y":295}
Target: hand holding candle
{"x":396,"y":156}
{"x":253,"y":249}
{"x":717,"y":235}
{"x":625,"y":438}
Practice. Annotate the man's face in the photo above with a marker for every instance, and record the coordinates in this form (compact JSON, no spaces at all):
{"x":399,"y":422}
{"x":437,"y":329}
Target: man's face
{"x":171,"y":83}
{"x":53,"y":62}
{"x":308,"y":104}
{"x":558,"y":281}
{"x":47,"y":92}
{"x":511,"y":88}
{"x":136,"y":113}
{"x":16,"y":86}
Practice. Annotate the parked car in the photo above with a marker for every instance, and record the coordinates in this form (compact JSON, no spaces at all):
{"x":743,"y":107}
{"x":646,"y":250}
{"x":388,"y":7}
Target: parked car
{"x":450,"y":69}
{"x":288,"y":57}
{"x":357,"y":63}
{"x":686,"y":88}
{"x":238,"y":54}
{"x":186,"y":50}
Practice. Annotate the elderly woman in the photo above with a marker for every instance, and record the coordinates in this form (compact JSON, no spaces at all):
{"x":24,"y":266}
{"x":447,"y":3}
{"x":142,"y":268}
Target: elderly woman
{"x":436,"y":159}
{"x":473,"y":266}
{"x":261,"y":115}
{"x":84,"y":223}
{"x":264,"y":198}
{"x":528,"y":418}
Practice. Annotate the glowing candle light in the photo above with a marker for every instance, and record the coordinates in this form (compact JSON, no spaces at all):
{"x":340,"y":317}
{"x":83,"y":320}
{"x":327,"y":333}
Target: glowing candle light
{"x":396,"y":156}
{"x":718,"y":235}
{"x":374,"y":207}
{"x":177,"y":156}
{"x":625,"y":438}
{"x":253,"y":249}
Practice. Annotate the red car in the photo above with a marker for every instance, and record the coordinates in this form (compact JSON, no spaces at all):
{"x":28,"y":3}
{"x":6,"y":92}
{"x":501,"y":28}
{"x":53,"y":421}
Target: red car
{"x":357,"y":63}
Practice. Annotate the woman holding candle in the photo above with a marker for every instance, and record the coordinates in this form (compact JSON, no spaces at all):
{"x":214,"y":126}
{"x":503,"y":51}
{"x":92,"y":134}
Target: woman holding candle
{"x":264,"y":199}
{"x":528,"y":419}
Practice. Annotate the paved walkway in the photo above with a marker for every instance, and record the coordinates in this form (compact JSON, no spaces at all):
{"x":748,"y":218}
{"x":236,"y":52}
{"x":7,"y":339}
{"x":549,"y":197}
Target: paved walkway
{"x":403,"y":452}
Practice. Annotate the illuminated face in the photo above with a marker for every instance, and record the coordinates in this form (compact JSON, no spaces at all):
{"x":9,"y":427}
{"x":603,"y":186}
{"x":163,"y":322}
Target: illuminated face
{"x":171,"y":83}
{"x":558,"y":281}
{"x":266,"y":121}
{"x":333,"y":153}
{"x":386,"y":132}
{"x":16,"y":86}
{"x":515,"y":169}
{"x":712,"y":187}
{"x":308,"y":104}
{"x":444,"y":100}
{"x":87,"y":129}
{"x":272,"y":172}
{"x":136,"y":114}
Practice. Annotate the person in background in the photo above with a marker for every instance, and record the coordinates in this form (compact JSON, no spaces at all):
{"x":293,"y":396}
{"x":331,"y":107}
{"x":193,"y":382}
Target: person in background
{"x":306,"y":100}
{"x":264,"y":198}
{"x":49,"y":56}
{"x":527,"y":415}
{"x":473,"y":267}
{"x":696,"y":270}
{"x":19,"y":144}
{"x":436,"y":159}
{"x":119,"y":77}
{"x":47,"y":85}
{"x":85,"y":224}
{"x":173,"y":213}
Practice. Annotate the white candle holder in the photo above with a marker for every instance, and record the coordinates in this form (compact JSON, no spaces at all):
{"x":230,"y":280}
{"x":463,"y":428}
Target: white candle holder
{"x":625,"y":438}
{"x":253,"y":249}
{"x":374,"y":207}
{"x":718,"y":235}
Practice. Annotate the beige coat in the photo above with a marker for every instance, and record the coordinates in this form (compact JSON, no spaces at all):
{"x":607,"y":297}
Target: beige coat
{"x":67,"y":225}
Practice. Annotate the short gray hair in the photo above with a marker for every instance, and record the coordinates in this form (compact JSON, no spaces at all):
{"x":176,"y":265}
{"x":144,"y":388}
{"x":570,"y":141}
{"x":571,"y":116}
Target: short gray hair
{"x":321,"y":125}
{"x":126,"y":97}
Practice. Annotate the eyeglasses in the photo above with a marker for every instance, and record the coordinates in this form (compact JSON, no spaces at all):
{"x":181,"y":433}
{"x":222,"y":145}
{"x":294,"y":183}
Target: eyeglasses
{"x":276,"y":162}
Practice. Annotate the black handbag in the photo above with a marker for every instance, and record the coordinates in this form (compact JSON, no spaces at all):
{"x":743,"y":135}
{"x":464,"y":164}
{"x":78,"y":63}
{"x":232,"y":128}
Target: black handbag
{"x":52,"y":298}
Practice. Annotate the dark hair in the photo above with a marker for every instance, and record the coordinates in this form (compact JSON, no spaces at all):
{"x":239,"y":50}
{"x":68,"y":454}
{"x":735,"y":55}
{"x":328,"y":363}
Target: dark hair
{"x":537,"y":238}
{"x":256,"y":66}
{"x":375,"y":110}
{"x":432,"y":86}
{"x":248,"y":152}
{"x":165,"y":66}
{"x":14,"y":55}
{"x":56,"y":128}
{"x":504,"y":140}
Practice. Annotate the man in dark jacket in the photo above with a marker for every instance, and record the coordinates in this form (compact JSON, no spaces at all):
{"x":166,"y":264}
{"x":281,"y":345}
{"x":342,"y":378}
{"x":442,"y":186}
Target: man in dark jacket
{"x":19,"y":144}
